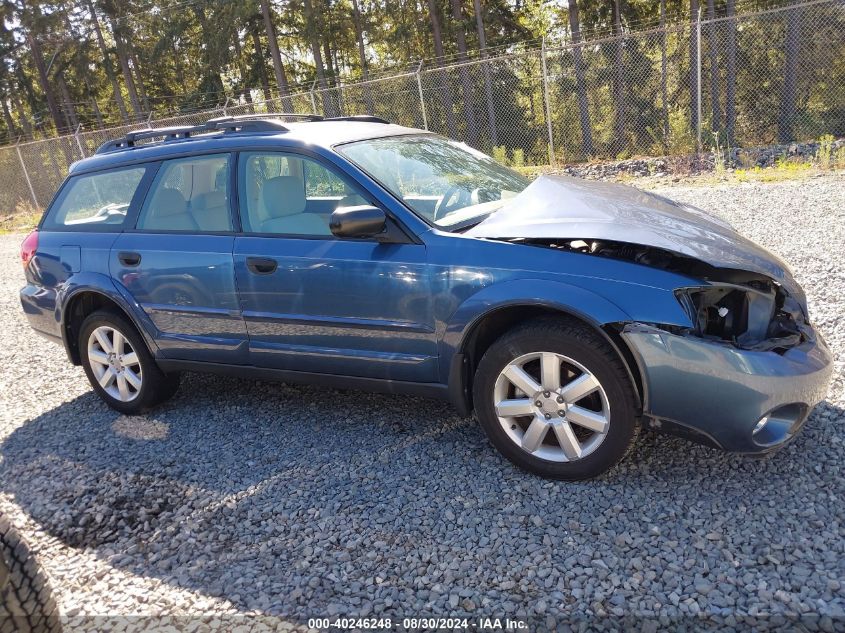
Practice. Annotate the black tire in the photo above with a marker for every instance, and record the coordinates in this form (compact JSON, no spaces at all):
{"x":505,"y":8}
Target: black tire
{"x":579,"y":342}
{"x":26,"y":602}
{"x":156,"y":386}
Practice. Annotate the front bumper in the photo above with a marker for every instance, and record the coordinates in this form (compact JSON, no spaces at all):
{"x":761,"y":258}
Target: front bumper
{"x":717,"y":394}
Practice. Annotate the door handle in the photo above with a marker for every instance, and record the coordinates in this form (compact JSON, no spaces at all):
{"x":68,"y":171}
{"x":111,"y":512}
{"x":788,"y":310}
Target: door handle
{"x":129,"y":259}
{"x":261,"y":265}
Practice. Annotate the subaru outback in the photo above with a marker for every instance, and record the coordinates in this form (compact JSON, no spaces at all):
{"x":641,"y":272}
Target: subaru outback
{"x":355,"y":253}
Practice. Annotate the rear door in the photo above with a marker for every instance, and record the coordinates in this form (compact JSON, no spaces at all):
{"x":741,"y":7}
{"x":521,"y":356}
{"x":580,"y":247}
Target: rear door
{"x":316,"y":303}
{"x":177,"y":263}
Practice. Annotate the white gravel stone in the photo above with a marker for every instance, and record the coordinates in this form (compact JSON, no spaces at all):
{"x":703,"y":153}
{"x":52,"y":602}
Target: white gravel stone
{"x":241,"y":497}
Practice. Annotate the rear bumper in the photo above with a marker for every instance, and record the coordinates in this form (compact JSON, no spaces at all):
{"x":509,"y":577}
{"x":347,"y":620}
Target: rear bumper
{"x":717,"y":394}
{"x":39,"y":306}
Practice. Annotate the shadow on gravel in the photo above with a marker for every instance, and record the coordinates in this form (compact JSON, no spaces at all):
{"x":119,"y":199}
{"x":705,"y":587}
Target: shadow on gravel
{"x":302,"y":501}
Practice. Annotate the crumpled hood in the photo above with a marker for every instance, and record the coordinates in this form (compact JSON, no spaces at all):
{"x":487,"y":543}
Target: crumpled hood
{"x":570,"y":208}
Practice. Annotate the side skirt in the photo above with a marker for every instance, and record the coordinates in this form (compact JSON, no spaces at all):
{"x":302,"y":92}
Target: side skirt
{"x":424,"y":389}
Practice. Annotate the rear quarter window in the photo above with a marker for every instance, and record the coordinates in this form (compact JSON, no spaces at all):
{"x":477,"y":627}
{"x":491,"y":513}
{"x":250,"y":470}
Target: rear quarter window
{"x":97,"y":201}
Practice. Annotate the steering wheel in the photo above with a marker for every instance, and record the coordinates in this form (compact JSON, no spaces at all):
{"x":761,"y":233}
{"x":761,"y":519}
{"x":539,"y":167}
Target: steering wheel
{"x":444,"y":207}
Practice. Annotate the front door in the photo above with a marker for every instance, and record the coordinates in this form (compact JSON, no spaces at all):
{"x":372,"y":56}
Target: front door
{"x":178,"y":265}
{"x":315,"y":303}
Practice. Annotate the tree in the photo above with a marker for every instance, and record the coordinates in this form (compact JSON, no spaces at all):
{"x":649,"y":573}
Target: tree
{"x":664,"y":90}
{"x":580,"y":83}
{"x":278,"y":68}
{"x":466,"y":84}
{"x":448,"y":99}
{"x":107,"y":65}
{"x":730,"y":73}
{"x":713,"y":54}
{"x":618,"y":83}
{"x":488,"y":87}
{"x":693,"y":68}
{"x":118,"y":33}
{"x":792,"y":50}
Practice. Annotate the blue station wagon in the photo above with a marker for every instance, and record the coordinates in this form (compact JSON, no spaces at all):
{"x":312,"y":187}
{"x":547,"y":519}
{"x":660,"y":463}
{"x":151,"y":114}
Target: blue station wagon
{"x":354,"y":253}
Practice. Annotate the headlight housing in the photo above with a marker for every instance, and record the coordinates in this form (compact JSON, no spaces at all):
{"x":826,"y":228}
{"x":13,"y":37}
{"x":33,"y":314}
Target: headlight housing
{"x":761,"y":317}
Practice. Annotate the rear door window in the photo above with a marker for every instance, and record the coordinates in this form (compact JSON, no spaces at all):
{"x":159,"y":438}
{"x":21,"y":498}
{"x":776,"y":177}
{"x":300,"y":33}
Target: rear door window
{"x":189,"y":194}
{"x":95,"y":201}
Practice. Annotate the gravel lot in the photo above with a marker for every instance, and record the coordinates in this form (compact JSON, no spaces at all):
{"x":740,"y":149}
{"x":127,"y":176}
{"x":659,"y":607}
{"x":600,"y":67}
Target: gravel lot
{"x":241,"y":498}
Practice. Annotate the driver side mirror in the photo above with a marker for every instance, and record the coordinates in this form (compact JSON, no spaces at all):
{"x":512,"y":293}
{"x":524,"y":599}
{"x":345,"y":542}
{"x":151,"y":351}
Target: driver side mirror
{"x":358,"y":221}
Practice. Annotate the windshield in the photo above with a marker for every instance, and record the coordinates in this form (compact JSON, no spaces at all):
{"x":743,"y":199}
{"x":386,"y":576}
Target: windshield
{"x":446,"y":182}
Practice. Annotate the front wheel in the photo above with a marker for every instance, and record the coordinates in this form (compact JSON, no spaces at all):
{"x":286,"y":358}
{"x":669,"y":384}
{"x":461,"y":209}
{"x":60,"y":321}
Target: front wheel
{"x":119,"y":366}
{"x":555,"y":399}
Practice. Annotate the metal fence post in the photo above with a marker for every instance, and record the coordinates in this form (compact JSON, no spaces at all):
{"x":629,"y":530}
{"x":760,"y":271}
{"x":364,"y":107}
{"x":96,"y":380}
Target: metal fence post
{"x":698,"y":81}
{"x":548,"y":104}
{"x":26,"y":175}
{"x":313,"y":101}
{"x":422,"y":100}
{"x":78,"y":141}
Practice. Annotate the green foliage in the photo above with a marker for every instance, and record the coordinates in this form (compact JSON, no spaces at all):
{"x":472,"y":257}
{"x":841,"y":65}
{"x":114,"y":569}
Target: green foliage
{"x":824,"y":154}
{"x":500,"y":154}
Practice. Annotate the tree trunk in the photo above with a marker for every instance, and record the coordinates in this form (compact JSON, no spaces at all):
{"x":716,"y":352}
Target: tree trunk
{"x":107,"y":65}
{"x":139,"y":81}
{"x":693,"y":69}
{"x":278,"y":68}
{"x":664,"y":90}
{"x":466,"y":83}
{"x":617,"y":144}
{"x":448,"y":98}
{"x":123,"y":58}
{"x":312,"y":30}
{"x":730,"y":74}
{"x":10,"y":122}
{"x":357,"y":22}
{"x":242,"y":69}
{"x":22,"y":115}
{"x":580,"y":84}
{"x":44,"y":82}
{"x":67,"y":103}
{"x":792,"y":46}
{"x":488,"y":84}
{"x":262,"y":68}
{"x":713,"y":54}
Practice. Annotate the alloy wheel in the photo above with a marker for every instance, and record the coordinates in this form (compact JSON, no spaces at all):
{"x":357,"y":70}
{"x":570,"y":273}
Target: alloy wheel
{"x":115,"y":363}
{"x":551,"y":406}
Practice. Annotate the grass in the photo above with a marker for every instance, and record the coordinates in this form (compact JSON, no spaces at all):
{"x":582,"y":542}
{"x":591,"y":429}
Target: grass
{"x":22,"y":220}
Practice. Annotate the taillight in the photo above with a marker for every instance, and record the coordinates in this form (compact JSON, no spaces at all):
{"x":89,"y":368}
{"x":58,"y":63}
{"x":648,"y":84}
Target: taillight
{"x":28,"y":248}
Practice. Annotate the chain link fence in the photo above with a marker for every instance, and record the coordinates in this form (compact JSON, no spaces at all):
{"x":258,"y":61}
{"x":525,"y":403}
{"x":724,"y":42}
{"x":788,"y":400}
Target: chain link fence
{"x":774,"y":76}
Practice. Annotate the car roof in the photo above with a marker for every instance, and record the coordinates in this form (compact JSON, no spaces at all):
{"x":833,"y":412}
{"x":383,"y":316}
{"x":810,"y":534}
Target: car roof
{"x":314,"y":134}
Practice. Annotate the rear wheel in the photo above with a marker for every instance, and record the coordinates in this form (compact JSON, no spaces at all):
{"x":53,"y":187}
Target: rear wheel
{"x":26,"y":603}
{"x":556,"y":400}
{"x":119,"y":367}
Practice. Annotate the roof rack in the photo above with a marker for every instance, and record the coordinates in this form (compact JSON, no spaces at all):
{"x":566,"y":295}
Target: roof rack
{"x":256,"y":123}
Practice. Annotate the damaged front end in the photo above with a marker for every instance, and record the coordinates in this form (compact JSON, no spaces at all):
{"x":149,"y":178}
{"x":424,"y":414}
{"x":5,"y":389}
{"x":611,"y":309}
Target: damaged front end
{"x":747,"y":310}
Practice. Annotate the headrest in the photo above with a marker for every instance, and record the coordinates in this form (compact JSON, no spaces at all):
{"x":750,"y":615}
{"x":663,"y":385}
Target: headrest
{"x":210,"y":200}
{"x":168,"y":201}
{"x":283,"y":195}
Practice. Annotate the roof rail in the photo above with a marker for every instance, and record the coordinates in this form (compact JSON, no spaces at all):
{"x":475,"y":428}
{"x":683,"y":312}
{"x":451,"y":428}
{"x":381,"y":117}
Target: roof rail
{"x":256,"y":123}
{"x":366,"y":118}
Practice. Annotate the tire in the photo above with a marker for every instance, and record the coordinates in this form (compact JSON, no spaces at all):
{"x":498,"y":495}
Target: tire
{"x":26,"y":602}
{"x":149,"y":387}
{"x":573,"y":437}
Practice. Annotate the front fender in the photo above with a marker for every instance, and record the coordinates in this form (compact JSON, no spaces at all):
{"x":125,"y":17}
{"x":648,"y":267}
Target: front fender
{"x":574,"y":300}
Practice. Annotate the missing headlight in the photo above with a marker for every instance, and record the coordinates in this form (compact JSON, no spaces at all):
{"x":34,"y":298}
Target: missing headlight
{"x":759,"y":316}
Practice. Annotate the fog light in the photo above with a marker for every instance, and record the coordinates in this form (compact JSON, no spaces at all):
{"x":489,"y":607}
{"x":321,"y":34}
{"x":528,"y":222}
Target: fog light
{"x":759,"y":426}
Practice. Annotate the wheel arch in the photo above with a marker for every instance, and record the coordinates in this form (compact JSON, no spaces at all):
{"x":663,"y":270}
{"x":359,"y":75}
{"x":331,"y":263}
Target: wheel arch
{"x":84,"y":302}
{"x":487,"y":327}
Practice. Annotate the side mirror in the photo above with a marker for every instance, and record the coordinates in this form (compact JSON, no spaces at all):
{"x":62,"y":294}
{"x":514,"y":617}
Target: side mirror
{"x":357,"y":221}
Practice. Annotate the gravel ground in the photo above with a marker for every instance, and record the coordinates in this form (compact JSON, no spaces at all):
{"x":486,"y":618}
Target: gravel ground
{"x":242,"y":498}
